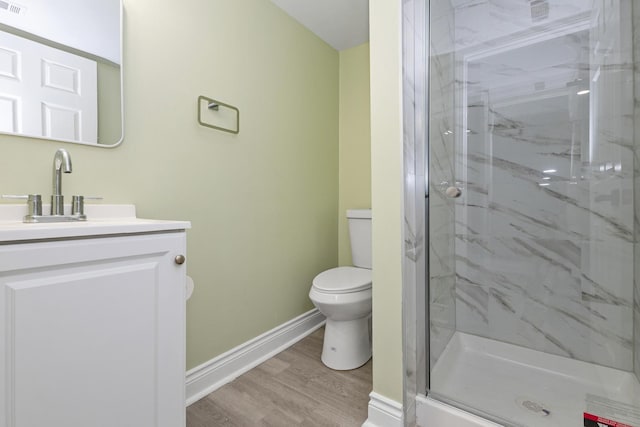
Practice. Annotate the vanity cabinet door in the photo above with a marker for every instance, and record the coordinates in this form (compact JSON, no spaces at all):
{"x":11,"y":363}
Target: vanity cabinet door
{"x":92,"y":332}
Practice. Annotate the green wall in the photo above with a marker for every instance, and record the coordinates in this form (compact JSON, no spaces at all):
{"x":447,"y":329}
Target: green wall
{"x":262,"y":203}
{"x":109,"y":104}
{"x":355,"y":141}
{"x":387,"y":200}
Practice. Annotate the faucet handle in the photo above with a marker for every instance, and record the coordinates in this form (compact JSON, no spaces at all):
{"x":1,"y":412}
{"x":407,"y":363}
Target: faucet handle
{"x":77,"y":203}
{"x":34,"y":202}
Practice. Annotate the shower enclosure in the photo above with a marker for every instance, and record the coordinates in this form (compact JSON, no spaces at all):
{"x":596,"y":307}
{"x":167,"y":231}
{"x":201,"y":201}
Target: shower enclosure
{"x":522,"y":269}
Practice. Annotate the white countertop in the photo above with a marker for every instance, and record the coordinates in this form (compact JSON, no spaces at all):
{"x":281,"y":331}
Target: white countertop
{"x":102,"y":220}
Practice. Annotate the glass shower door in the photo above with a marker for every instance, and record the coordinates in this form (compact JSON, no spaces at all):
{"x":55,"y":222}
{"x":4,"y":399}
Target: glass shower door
{"x":534,"y":304}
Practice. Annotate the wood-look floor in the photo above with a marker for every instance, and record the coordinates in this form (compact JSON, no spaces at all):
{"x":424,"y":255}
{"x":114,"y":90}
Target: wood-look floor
{"x":293,"y":388}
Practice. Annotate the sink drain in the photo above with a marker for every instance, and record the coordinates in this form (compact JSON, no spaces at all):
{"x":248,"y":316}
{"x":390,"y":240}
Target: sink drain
{"x":532,"y":406}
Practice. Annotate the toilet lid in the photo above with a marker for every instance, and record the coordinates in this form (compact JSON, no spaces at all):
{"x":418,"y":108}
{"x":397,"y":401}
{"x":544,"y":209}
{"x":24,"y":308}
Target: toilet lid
{"x":343,"y":279}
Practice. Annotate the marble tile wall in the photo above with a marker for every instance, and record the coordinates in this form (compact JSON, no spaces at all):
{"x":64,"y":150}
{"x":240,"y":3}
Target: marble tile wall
{"x":549,"y":267}
{"x":414,"y":281}
{"x":441,"y":81}
{"x":636,"y":312}
{"x":438,"y":311}
{"x":439,"y":315}
{"x":636,"y":116}
{"x":545,"y":228}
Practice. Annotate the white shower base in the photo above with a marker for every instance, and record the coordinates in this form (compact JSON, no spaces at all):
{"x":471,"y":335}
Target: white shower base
{"x":504,"y":379}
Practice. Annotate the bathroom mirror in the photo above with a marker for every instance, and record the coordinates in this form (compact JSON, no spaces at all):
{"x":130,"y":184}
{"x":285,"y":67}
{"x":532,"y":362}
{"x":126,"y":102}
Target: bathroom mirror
{"x":61,"y":70}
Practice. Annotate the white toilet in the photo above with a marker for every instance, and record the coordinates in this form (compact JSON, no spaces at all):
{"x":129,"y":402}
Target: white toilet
{"x":343,"y":295}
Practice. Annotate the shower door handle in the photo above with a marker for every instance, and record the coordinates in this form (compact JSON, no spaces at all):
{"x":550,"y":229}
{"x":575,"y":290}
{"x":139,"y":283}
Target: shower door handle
{"x":453,"y":192}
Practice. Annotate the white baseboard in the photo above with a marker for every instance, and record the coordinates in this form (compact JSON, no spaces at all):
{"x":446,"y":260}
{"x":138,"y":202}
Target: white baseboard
{"x":383,"y":412}
{"x":223,"y":369}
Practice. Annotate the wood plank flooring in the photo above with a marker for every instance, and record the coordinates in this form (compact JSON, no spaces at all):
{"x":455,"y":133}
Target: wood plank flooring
{"x":293,"y":388}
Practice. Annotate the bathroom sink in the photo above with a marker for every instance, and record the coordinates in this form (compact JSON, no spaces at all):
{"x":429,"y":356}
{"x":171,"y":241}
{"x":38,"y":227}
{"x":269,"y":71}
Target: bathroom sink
{"x":102,"y":220}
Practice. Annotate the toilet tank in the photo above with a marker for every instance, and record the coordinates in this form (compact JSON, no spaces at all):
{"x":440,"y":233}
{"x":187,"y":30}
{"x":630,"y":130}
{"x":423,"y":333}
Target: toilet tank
{"x":360,"y":235}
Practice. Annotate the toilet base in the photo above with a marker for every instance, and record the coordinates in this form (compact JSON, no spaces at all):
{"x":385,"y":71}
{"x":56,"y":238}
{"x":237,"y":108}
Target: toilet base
{"x":347,"y":344}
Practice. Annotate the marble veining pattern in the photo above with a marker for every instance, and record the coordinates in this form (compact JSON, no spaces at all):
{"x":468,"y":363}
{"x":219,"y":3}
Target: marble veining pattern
{"x":546,"y":227}
{"x":441,"y":78}
{"x":636,"y":300}
{"x":414,"y":260}
{"x":542,"y":250}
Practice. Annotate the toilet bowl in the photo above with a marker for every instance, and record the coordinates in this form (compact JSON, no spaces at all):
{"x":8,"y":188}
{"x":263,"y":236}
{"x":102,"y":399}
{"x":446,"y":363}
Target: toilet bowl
{"x":343,"y":295}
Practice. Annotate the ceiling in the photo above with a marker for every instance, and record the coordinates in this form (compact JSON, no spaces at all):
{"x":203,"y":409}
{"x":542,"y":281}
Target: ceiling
{"x":340,"y":23}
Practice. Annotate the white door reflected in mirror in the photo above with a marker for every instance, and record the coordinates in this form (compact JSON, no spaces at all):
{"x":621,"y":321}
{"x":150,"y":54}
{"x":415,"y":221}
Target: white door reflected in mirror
{"x":60,"y":72}
{"x":47,"y":92}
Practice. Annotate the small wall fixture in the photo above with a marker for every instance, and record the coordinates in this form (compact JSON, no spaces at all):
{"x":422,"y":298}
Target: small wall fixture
{"x":218,"y":115}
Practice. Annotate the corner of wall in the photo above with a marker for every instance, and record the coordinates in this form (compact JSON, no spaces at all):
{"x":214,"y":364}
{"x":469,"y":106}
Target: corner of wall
{"x":354,"y":141}
{"x":387,"y":187}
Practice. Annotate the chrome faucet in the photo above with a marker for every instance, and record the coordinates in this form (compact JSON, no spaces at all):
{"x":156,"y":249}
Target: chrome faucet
{"x":61,"y":163}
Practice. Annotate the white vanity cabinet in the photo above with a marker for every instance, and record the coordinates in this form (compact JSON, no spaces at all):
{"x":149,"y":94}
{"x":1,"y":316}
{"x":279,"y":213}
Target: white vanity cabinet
{"x":92,"y":329}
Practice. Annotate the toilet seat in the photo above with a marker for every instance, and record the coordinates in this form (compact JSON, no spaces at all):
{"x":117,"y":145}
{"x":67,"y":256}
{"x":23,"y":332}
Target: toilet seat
{"x":342,"y":280}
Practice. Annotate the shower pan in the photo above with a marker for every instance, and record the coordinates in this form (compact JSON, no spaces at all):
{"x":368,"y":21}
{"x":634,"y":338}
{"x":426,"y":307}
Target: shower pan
{"x":522,"y":265}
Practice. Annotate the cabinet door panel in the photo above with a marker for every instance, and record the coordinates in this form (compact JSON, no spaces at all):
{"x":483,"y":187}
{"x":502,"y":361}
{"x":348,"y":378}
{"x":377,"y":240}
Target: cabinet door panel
{"x":94,"y":340}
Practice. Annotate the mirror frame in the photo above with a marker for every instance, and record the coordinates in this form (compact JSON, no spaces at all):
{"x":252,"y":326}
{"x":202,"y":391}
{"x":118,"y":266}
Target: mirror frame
{"x":122,"y":124}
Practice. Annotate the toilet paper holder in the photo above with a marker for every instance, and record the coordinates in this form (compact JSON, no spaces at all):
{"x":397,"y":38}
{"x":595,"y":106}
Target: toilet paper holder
{"x":188,"y":288}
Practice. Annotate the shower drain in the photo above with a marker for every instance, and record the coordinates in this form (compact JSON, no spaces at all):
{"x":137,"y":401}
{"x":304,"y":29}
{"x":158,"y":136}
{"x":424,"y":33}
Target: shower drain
{"x":532,"y":406}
